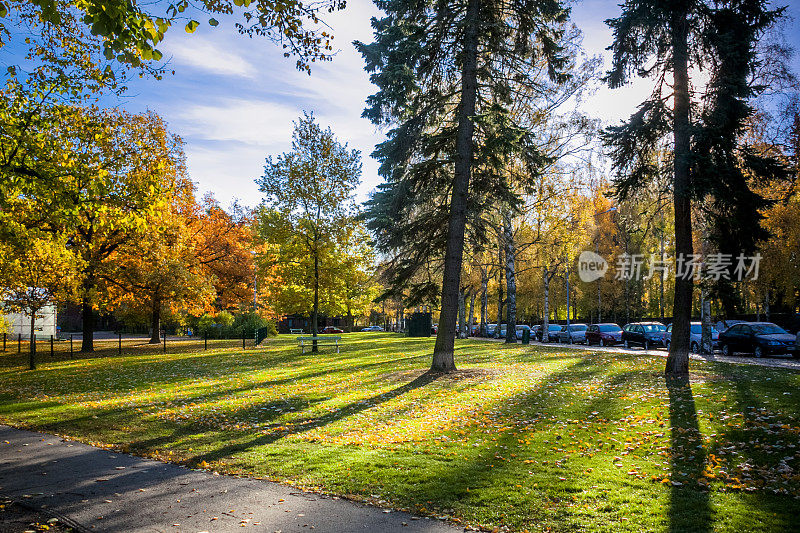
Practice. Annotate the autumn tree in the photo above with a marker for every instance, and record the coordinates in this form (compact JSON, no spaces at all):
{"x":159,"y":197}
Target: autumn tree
{"x":36,"y":273}
{"x":308,"y":203}
{"x":101,"y":173}
{"x":223,"y":244}
{"x":357,"y":284}
{"x":163,"y":267}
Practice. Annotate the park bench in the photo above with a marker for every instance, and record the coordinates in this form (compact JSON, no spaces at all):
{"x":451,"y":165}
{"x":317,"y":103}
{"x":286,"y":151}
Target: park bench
{"x":295,"y":331}
{"x":325,"y":340}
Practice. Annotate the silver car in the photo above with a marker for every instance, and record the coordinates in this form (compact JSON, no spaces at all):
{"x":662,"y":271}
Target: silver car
{"x":576,"y":334}
{"x":695,"y":337}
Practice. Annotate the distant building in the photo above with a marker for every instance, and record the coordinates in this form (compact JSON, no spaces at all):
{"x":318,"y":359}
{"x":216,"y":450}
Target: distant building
{"x":20,"y":323}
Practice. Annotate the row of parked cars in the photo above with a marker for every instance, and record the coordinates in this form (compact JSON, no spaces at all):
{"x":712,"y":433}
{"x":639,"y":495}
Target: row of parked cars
{"x":758,"y":338}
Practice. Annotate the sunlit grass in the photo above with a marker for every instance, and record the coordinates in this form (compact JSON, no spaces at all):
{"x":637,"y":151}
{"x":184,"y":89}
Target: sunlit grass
{"x":531,"y":438}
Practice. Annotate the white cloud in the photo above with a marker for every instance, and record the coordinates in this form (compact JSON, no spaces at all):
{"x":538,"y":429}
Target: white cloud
{"x":261,"y":123}
{"x":227,"y":171}
{"x":204,"y":55}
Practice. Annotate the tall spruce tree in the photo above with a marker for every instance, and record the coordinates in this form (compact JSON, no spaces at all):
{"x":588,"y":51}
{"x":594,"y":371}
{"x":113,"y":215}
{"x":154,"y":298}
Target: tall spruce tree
{"x":446,"y":72}
{"x":723,"y":163}
{"x":656,"y":38}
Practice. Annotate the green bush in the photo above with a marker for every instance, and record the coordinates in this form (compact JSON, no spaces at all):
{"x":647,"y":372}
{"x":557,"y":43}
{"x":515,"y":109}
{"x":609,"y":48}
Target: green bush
{"x":224,"y":319}
{"x":226,"y":325}
{"x":247,"y":323}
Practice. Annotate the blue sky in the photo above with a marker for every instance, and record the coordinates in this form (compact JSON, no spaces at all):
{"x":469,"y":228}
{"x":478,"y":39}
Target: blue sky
{"x":233,"y":99}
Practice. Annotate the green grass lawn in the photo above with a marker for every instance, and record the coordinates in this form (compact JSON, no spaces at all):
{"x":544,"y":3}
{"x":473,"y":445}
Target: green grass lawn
{"x":527,"y":437}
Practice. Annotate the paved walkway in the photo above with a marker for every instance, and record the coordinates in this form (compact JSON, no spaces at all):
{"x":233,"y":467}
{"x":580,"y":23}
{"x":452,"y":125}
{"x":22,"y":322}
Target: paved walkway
{"x":98,"y":490}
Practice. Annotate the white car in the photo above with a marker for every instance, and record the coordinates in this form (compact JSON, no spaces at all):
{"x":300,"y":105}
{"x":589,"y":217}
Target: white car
{"x":695,"y":336}
{"x":372,"y":328}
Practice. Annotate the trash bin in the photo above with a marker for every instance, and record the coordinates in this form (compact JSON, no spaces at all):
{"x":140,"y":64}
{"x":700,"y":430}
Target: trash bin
{"x":526,"y":336}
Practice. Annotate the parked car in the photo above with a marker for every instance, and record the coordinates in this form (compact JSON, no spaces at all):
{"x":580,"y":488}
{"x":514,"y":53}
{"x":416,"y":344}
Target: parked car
{"x":722,"y":325}
{"x":645,"y":334}
{"x":490,"y":328}
{"x":604,"y":334}
{"x":500,"y":332}
{"x":372,"y":328}
{"x":758,"y":338}
{"x":695,"y":336}
{"x":574,"y":334}
{"x":434,"y":329}
{"x":331,"y":329}
{"x":552,"y":332}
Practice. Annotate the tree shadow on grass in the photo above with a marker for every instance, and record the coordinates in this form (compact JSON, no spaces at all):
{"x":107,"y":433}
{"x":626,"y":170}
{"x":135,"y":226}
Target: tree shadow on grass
{"x":317,"y":422}
{"x":690,"y":508}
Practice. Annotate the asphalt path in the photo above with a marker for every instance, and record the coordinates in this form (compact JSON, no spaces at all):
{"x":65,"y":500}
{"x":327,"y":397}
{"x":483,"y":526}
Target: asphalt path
{"x":92,"y":489}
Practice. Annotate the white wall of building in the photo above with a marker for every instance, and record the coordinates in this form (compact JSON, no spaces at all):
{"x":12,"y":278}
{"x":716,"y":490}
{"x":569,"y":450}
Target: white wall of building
{"x":44,"y":326}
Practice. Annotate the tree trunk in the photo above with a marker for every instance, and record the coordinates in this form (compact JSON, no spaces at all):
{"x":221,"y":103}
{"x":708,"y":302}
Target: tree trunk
{"x":661,"y":281}
{"x":443,"y":360}
{"x":500,"y":295}
{"x":462,"y":315}
{"x":315,"y":312}
{"x":546,"y":320}
{"x":678,"y":358}
{"x":706,"y":338}
{"x":471,"y":318}
{"x":87,"y":343}
{"x":155,"y":321}
{"x":511,"y":279}
{"x":32,"y":353}
{"x":484,"y":299}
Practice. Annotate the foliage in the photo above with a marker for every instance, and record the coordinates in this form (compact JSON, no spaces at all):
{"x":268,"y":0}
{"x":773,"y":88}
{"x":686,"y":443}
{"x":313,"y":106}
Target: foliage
{"x":131,"y":31}
{"x":101,"y":177}
{"x":38,"y":273}
{"x":652,"y":39}
{"x":163,"y":267}
{"x":247,"y":324}
{"x":303,"y":222}
{"x":447,"y":74}
{"x":524,"y":437}
{"x":223,"y":242}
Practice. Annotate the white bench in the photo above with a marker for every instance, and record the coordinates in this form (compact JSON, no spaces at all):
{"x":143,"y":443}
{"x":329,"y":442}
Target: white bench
{"x":326,"y":340}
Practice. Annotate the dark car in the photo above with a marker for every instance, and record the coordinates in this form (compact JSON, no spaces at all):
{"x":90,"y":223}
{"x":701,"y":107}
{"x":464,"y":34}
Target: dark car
{"x":604,"y":334}
{"x":645,"y":334}
{"x":758,"y":338}
{"x":552,"y":331}
{"x":331,"y":329}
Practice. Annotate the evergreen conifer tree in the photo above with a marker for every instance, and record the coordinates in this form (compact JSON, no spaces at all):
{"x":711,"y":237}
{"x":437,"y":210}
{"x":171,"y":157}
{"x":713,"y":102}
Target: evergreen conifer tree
{"x":659,"y":38}
{"x":446,"y":72}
